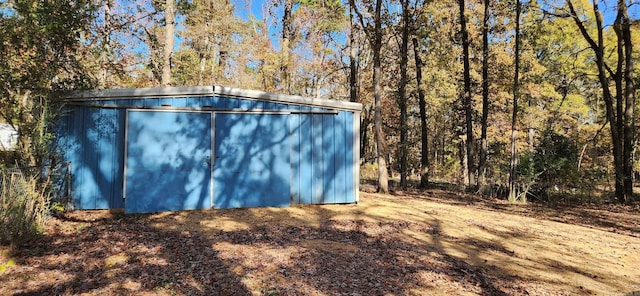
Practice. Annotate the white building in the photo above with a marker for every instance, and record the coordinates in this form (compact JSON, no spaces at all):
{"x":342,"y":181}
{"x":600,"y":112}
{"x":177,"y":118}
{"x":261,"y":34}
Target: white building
{"x":8,"y":137}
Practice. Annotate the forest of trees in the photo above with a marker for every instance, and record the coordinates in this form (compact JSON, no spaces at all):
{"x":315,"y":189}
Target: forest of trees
{"x":513,"y":98}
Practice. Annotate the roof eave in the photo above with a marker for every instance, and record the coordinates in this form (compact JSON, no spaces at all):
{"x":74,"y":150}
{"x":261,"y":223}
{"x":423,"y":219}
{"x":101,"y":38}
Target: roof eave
{"x":203,"y":91}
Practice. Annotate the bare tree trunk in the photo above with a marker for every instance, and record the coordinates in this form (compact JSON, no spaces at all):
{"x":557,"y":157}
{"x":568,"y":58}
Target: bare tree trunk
{"x":629,"y":99}
{"x":286,"y":44}
{"x":364,"y":132}
{"x":424,"y":129}
{"x":269,"y":80}
{"x":105,"y":56}
{"x":383,"y":175}
{"x":353,"y":71}
{"x":513,"y":191}
{"x":169,"y":16}
{"x":223,"y":56}
{"x":468,"y":167}
{"x":203,"y":56}
{"x":402,"y":94}
{"x":224,"y":41}
{"x":485,"y":97}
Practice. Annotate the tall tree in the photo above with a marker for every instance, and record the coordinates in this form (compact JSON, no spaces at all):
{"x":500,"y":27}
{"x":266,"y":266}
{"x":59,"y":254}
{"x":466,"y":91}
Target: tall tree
{"x":424,"y":129}
{"x":619,"y":103}
{"x":224,"y":39}
{"x":513,"y":190}
{"x":402,"y":92}
{"x":208,"y":27}
{"x":320,"y":55}
{"x":169,"y":39}
{"x":151,"y":37}
{"x":287,"y":32}
{"x":467,"y":161}
{"x":106,"y":53}
{"x":484,"y":147}
{"x":374,"y":35}
{"x":353,"y":69}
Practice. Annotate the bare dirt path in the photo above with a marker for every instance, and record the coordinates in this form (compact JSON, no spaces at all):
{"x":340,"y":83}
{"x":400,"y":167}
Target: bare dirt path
{"x":433,"y":243}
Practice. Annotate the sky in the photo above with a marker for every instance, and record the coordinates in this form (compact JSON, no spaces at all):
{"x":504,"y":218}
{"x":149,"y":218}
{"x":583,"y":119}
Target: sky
{"x":609,"y":11}
{"x":256,"y":8}
{"x":246,"y":7}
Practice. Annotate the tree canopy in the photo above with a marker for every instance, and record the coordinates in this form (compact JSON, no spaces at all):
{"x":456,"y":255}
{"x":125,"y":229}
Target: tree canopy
{"x":436,"y":78}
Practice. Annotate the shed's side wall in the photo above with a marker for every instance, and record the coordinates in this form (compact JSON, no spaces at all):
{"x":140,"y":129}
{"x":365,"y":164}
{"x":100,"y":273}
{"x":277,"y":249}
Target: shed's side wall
{"x":322,"y":150}
{"x":92,"y":140}
{"x":322,"y":158}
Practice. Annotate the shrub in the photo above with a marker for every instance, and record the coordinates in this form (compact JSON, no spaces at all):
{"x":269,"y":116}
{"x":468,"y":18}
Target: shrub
{"x":24,"y":203}
{"x":550,"y":167}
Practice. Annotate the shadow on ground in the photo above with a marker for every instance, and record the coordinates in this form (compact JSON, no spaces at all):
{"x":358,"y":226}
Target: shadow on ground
{"x":615,"y":218}
{"x":345,"y":257}
{"x":119,"y":254}
{"x":133,"y":254}
{"x":306,"y":250}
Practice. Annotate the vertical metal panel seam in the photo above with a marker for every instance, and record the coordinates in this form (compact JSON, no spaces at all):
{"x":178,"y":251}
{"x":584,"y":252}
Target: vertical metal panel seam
{"x":114,"y":159}
{"x":87,"y":163}
{"x":71,"y":135}
{"x":300,"y":194}
{"x":332,"y":161}
{"x":81,"y":163}
{"x":122,"y":114}
{"x":339,"y":157}
{"x":321,"y":162}
{"x":313,"y":158}
{"x":99,"y":144}
{"x":291,"y":163}
{"x":213,"y":158}
{"x":126,"y":152}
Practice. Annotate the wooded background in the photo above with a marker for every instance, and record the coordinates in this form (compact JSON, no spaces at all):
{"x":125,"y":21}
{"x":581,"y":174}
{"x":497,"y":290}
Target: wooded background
{"x":519,"y":99}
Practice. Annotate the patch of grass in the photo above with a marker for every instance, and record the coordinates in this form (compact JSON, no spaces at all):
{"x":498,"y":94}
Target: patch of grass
{"x":6,"y":265}
{"x":81,"y":226}
{"x":165,"y":283}
{"x":5,"y":261}
{"x":118,"y":259}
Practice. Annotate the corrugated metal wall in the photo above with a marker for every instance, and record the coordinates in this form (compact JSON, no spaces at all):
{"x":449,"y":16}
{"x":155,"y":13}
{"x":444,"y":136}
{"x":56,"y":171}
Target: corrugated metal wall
{"x":321,"y":149}
{"x":322,"y":158}
{"x":92,"y":139}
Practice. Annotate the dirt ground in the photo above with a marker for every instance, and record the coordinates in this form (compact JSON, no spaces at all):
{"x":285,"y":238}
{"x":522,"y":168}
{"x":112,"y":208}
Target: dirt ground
{"x":413,"y":243}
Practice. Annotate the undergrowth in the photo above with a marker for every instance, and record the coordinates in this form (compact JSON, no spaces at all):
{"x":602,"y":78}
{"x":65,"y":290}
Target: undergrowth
{"x":24,"y":203}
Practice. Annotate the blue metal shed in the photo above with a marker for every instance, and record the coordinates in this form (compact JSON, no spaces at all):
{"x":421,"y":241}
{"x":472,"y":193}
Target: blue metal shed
{"x":183,"y":148}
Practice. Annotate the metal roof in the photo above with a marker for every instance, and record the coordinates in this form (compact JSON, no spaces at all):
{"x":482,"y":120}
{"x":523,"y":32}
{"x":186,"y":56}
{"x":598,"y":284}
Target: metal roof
{"x":110,"y":94}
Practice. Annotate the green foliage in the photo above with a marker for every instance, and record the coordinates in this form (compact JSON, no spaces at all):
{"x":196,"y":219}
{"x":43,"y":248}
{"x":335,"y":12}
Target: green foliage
{"x":45,"y":44}
{"x":556,"y":156}
{"x":41,"y":43}
{"x":551,"y":167}
{"x":329,"y":14}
